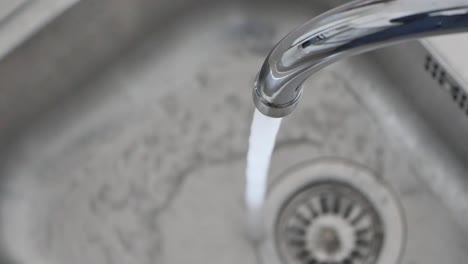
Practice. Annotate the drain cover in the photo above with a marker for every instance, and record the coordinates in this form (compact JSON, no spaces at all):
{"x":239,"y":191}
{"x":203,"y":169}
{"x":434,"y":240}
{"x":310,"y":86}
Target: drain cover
{"x":329,"y":222}
{"x":332,"y":212}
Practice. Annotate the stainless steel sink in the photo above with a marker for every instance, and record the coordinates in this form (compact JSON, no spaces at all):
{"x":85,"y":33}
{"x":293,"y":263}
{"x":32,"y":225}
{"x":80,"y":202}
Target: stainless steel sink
{"x":125,"y":125}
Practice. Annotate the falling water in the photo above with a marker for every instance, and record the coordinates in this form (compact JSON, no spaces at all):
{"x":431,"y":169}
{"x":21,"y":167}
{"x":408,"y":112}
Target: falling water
{"x":261,"y":143}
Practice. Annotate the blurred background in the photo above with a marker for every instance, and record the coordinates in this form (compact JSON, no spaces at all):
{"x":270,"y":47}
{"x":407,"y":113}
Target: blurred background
{"x":124,"y":129}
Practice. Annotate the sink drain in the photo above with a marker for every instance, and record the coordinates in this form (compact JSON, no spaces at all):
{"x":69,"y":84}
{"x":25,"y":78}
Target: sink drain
{"x":332,"y":211}
{"x":329,"y":222}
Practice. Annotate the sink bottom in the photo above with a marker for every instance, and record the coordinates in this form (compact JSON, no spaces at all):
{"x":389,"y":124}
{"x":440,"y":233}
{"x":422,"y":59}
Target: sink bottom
{"x":146,"y":163}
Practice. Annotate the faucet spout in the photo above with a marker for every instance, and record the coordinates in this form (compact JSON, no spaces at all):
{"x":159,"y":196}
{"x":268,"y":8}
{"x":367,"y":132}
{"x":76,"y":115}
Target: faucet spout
{"x":354,"y":28}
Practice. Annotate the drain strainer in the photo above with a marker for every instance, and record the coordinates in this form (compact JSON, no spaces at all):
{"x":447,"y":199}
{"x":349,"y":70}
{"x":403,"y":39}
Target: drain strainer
{"x":332,"y":212}
{"x":329,"y":222}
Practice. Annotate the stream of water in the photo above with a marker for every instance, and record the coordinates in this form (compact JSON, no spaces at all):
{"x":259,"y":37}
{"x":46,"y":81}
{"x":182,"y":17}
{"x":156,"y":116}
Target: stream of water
{"x":261,"y":143}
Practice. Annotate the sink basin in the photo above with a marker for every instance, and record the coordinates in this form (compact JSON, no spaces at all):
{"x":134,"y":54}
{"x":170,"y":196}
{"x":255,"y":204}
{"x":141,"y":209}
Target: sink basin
{"x":125,"y":134}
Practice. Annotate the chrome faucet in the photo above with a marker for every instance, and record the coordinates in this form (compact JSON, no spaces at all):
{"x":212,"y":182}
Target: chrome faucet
{"x":354,"y":28}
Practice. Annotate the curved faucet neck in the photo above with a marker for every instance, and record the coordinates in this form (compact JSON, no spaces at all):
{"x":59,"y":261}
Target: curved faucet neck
{"x":354,"y":28}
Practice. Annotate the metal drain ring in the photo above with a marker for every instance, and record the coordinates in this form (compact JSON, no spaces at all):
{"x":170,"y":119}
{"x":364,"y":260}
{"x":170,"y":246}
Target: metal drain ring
{"x":307,"y":219}
{"x":329,"y":222}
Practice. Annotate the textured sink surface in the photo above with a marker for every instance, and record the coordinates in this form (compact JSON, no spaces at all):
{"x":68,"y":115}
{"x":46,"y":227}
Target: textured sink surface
{"x":146,"y":163}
